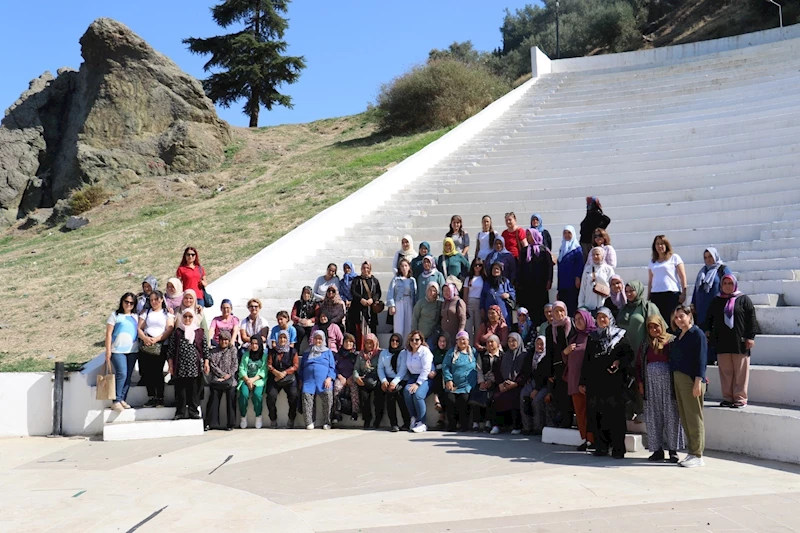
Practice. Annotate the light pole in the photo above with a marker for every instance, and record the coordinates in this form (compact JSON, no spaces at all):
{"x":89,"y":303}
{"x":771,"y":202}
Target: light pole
{"x":558,"y":41}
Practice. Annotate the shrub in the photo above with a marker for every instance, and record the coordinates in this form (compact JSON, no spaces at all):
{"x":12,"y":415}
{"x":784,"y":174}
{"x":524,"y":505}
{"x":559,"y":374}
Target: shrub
{"x":87,"y":198}
{"x":439,"y":94}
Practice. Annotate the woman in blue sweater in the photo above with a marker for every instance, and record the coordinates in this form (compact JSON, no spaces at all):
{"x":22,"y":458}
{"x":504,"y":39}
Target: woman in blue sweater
{"x":460,"y":372}
{"x":570,"y":270}
{"x":499,"y":291}
{"x":317,"y":371}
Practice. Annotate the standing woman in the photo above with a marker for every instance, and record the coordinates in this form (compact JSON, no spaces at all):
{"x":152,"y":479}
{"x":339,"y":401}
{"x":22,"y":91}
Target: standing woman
{"x":149,"y":285}
{"x":498,"y":291}
{"x":282,"y":365}
{"x":428,"y":312}
{"x":189,"y":301}
{"x":666,"y":285}
{"x":687,"y":359}
{"x":452,"y":262}
{"x":655,"y":385}
{"x":329,"y":279}
{"x":416,"y":263}
{"x":365,"y":375}
{"x":471,"y":293}
{"x":222,"y":366}
{"x":593,"y":220}
{"x":595,"y":281}
{"x":706,"y":288}
{"x":253,"y":323}
{"x":317,"y":371}
{"x":173,"y":294}
{"x":732,"y":327}
{"x":535,"y":275}
{"x":513,"y":373}
{"x":225,"y":322}
{"x":486,"y":238}
{"x":406,"y":252}
{"x":304,"y":314}
{"x":575,"y":354}
{"x":570,"y":269}
{"x":601,"y":238}
{"x":253,"y":379}
{"x":537,"y":223}
{"x":503,"y":256}
{"x":419,"y":362}
{"x":429,"y":275}
{"x":155,"y":327}
{"x":122,"y":332}
{"x":192,"y":274}
{"x":346,"y":284}
{"x":188,"y":359}
{"x":362,"y":319}
{"x":402,"y":296}
{"x":558,"y":341}
{"x":603,"y":378}
{"x":460,"y":371}
{"x":333,"y":306}
{"x":514,"y":236}
{"x":459,"y":236}
{"x":454,"y":314}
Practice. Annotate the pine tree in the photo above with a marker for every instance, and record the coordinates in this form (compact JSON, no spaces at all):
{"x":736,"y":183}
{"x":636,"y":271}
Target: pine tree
{"x":249,"y":64}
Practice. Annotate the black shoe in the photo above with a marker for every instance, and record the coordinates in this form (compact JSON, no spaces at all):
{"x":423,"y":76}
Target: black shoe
{"x":673,"y":457}
{"x":404,"y":427}
{"x":367,"y":424}
{"x":179,"y":416}
{"x":440,"y":425}
{"x":591,"y":447}
{"x":394,"y":429}
{"x":206,"y":427}
{"x":290,"y":423}
{"x":583,"y":447}
{"x":195,"y":416}
{"x":152,"y":402}
{"x":354,"y":418}
{"x":657,"y":456}
{"x":228,"y":429}
{"x":451,"y":429}
{"x":376,"y":425}
{"x":618,"y":455}
{"x":601,"y":453}
{"x":726,"y":403}
{"x":160,"y":402}
{"x":527,"y":432}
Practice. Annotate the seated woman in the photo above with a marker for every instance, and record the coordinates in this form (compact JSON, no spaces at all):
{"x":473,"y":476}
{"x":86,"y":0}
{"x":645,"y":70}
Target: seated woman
{"x":512,"y":375}
{"x":488,"y":374}
{"x":317,"y":372}
{"x":282,"y":365}
{"x":451,"y":262}
{"x":495,"y":325}
{"x":252,"y":380}
{"x":524,"y":327}
{"x":331,"y":331}
{"x":503,"y":256}
{"x":595,"y":281}
{"x":392,"y":372}
{"x":121,"y":347}
{"x":428,"y":311}
{"x":155,"y":327}
{"x":439,"y":351}
{"x":365,"y":375}
{"x":222,"y":366}
{"x":329,"y":279}
{"x":225,"y":322}
{"x":149,"y":285}
{"x":532,"y":405}
{"x":498,"y":291}
{"x":547,"y":310}
{"x":460,"y":374}
{"x":173,"y":295}
{"x":603,"y":381}
{"x":187,"y":356}
{"x":406,"y":252}
{"x":333,"y":306}
{"x":253,"y":323}
{"x":429,"y":275}
{"x":345,"y":364}
{"x":304,"y":315}
{"x":419,"y":361}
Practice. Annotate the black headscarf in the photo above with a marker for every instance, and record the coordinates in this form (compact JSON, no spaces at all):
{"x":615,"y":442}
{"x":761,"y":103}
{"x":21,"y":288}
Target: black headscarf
{"x":395,"y":351}
{"x":257,"y":354}
{"x":306,"y":308}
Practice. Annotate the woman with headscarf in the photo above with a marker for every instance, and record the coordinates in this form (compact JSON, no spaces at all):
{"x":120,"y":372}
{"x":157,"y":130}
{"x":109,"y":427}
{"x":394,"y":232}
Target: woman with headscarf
{"x":454,"y":314}
{"x":601,"y":239}
{"x":416,"y":263}
{"x":393,"y":373}
{"x":495,"y":325}
{"x":346,"y":359}
{"x":451,"y":262}
{"x":460,"y":374}
{"x":282,"y":366}
{"x":488,"y":376}
{"x":594,"y":219}
{"x":570,"y":269}
{"x":513,"y":373}
{"x":429,"y":275}
{"x":149,"y":285}
{"x":498,"y":291}
{"x":252,"y":381}
{"x":189,"y":301}
{"x":558,"y":339}
{"x":328,"y":279}
{"x":173,"y":296}
{"x":604,"y":380}
{"x":346,"y":283}
{"x":532,"y":405}
{"x":317,"y":371}
{"x":595,"y":281}
{"x":333,"y":306}
{"x":459,"y":236}
{"x":428,"y":312}
{"x":655,"y":385}
{"x":575,"y":352}
{"x":706,"y":288}
{"x":616,"y":300}
{"x":535,"y":275}
{"x":732,"y":328}
{"x":406,"y":252}
{"x":439,"y":350}
{"x":331,"y":331}
{"x":419,"y":362}
{"x":537,"y":223}
{"x":500,"y":255}
{"x":187,"y":356}
{"x":485,"y":240}
{"x":226,"y":321}
{"x":524,"y":327}
{"x":365,"y":375}
{"x":547,"y":311}
{"x":222,"y":364}
{"x":402,"y":296}
{"x":471,"y":294}
{"x":362,"y":318}
{"x":304,"y":314}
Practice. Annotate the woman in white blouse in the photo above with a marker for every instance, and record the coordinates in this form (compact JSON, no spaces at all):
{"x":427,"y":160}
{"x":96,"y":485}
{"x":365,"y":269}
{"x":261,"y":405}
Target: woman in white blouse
{"x":596,"y":280}
{"x":666,"y":284}
{"x":419,"y":361}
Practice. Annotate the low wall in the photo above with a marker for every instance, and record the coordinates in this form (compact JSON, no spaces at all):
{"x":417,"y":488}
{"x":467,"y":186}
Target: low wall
{"x":26,"y":403}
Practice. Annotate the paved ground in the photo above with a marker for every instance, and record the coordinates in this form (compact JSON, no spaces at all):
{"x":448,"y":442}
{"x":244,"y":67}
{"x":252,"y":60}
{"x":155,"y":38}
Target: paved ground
{"x":352,"y":480}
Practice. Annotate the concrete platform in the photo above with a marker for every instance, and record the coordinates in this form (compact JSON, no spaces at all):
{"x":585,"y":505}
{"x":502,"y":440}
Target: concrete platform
{"x":151,"y":429}
{"x":779,"y":385}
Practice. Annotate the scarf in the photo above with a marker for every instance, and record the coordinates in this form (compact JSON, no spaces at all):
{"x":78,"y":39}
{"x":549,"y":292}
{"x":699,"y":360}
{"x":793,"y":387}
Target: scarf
{"x":590,"y":264}
{"x":511,"y":364}
{"x":188,"y":331}
{"x":432,"y":284}
{"x":494,"y":255}
{"x":427,"y":246}
{"x":348,"y":278}
{"x":432,"y":271}
{"x":707,"y":274}
{"x":591,"y":325}
{"x":198,"y":315}
{"x":453,"y":250}
{"x":568,"y":246}
{"x":395,"y":352}
{"x":330,"y":304}
{"x":315,"y":350}
{"x":536,"y":243}
{"x":538,"y":356}
{"x":607,"y":337}
{"x":152,"y":281}
{"x":177,"y":285}
{"x":259,"y":353}
{"x":453,"y":291}
{"x":731,"y":299}
{"x":618,"y":299}
{"x":368,"y":356}
{"x":566,"y":323}
{"x":324,"y":327}
{"x":456,"y":352}
{"x":500,"y":321}
{"x":409,"y":254}
{"x":658,"y":343}
{"x":540,"y":227}
{"x":306,"y":308}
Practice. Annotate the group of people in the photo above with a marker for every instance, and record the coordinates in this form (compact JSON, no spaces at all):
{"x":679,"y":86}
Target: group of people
{"x":605,"y":353}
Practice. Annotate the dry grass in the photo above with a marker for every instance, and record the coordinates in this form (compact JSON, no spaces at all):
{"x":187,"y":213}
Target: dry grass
{"x":58,"y":288}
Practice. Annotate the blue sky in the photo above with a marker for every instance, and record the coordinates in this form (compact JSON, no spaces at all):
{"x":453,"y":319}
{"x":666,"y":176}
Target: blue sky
{"x":351,"y":46}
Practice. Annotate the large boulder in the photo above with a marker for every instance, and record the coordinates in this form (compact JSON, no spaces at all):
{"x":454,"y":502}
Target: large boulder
{"x":129,"y":109}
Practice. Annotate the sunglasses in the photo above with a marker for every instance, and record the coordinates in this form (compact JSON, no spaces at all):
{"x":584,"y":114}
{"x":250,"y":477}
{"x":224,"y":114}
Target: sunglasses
{"x":478,"y":266}
{"x":416,"y":339}
{"x":596,"y":235}
{"x":128,"y":302}
{"x":190,"y":254}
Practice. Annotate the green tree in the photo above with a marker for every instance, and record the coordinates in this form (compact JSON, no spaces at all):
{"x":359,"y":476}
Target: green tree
{"x":249,"y":64}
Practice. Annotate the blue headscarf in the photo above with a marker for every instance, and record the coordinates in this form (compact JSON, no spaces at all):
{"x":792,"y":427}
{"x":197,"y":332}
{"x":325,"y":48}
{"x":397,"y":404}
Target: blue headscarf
{"x":541,"y":222}
{"x":427,"y":246}
{"x":568,"y":246}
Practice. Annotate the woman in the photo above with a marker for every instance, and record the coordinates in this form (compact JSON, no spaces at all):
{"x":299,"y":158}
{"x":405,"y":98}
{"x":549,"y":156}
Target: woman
{"x":687,"y":359}
{"x":524,"y":327}
{"x":191,"y":274}
{"x":488,"y":374}
{"x":603,"y":381}
{"x":504,"y":257}
{"x":548,"y":319}
{"x":304,"y":314}
{"x":282,"y":365}
{"x":512,"y":375}
{"x":486,"y":238}
{"x":616,"y":300}
{"x":225,"y":322}
{"x":593,"y":220}
{"x":595,"y":281}
{"x":419,"y":362}
{"x":189,"y":301}
{"x":402,"y":297}
{"x":495,"y":325}
{"x":666,"y":284}
{"x":222,"y":366}
{"x":345,"y":364}
{"x":514,"y":236}
{"x":460,"y":374}
{"x":706,"y":288}
{"x":600,"y":238}
{"x":149,"y":285}
{"x":498,"y":291}
{"x":345,"y":286}
{"x":575,"y":353}
{"x":532,"y":405}
{"x":187,"y":356}
{"x":439,"y":350}
{"x":122,"y":332}
{"x":317,"y":372}
{"x":429,"y":275}
{"x":155,"y":327}
{"x":365,"y":375}
{"x":655,"y":386}
{"x":253,"y":379}
{"x":537,"y":223}
{"x":732,"y":327}
{"x":471,"y":293}
{"x":329,"y":279}
{"x":535,"y":275}
{"x":416,"y":263}
{"x":393,"y":373}
{"x":331,"y":331}
{"x":282,"y":317}
{"x":558,"y":339}
{"x":253,"y":324}
{"x":428,"y":312}
{"x":173,"y":296}
{"x":570,"y":269}
{"x":459,"y":236}
{"x":333,"y":306}
{"x":454,"y":314}
{"x":406,"y":252}
{"x":451,"y":262}
{"x":361,"y":318}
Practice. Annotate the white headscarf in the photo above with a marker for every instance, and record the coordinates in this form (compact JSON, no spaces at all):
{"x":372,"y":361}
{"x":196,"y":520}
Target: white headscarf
{"x":568,"y":246}
{"x":707,"y":274}
{"x":409,"y":254}
{"x":188,"y":331}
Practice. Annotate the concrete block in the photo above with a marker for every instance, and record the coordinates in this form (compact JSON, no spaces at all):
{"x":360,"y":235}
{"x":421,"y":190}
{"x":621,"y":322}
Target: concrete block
{"x":137,"y":415}
{"x":777,"y":385}
{"x":776,"y":350}
{"x":565,"y":437}
{"x":152,"y":429}
{"x":634,"y":443}
{"x":758,"y":431}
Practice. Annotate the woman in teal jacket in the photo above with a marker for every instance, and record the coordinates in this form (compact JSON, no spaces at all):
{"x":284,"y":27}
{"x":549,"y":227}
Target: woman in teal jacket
{"x":317,"y":372}
{"x":252,"y":380}
{"x":460,"y":372}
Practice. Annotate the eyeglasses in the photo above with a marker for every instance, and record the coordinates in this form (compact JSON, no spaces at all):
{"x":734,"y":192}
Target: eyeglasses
{"x":252,"y":307}
{"x":128,"y":302}
{"x":416,"y":339}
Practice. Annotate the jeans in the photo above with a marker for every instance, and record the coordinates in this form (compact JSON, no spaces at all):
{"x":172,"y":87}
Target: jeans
{"x":416,"y":402}
{"x":123,"y":370}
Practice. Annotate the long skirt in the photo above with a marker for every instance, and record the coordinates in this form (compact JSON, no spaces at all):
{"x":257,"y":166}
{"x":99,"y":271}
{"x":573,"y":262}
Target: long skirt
{"x":404,"y":312}
{"x":664,"y":429}
{"x":473,"y":317}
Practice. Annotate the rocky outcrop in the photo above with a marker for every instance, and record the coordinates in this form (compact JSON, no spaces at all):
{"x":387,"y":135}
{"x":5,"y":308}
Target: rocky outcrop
{"x":129,"y":112}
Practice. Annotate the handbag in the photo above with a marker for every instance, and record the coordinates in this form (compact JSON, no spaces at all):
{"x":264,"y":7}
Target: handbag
{"x":288,"y":379}
{"x":153,"y":349}
{"x":599,"y":287}
{"x":107,"y":384}
{"x":376,"y":307}
{"x":208,"y":300}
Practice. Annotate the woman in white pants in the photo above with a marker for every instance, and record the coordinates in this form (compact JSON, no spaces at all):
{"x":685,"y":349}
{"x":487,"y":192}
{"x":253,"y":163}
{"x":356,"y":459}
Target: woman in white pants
{"x":402,"y":297}
{"x":471,"y":293}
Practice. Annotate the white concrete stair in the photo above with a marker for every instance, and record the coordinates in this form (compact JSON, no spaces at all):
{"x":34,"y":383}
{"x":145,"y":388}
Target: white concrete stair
{"x":777,"y":385}
{"x":147,"y":423}
{"x":572,"y":437}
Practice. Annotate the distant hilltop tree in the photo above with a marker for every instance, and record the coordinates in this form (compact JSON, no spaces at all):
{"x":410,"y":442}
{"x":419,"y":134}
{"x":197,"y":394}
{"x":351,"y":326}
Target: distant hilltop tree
{"x":249,"y":64}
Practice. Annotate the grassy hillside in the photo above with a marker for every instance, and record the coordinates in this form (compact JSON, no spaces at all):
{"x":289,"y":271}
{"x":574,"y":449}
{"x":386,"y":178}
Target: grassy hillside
{"x":58,"y":288}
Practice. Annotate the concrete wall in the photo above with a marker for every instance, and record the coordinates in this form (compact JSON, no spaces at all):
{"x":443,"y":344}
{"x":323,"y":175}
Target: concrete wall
{"x":26,"y":403}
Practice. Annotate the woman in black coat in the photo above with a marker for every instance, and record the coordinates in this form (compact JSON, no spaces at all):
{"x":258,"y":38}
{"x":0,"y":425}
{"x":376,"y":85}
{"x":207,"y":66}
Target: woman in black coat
{"x":595,"y":218}
{"x":366,"y":290}
{"x":535,"y":276}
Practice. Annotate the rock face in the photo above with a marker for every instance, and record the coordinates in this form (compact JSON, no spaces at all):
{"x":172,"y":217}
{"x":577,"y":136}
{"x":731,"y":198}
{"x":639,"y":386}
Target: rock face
{"x":128,"y":112}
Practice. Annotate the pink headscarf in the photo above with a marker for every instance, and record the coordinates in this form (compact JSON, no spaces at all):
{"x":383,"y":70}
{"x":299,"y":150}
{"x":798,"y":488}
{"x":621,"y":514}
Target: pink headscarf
{"x":536,"y":242}
{"x":731,"y":299}
{"x":619,"y":299}
{"x":453,"y":291}
{"x":566,"y":323}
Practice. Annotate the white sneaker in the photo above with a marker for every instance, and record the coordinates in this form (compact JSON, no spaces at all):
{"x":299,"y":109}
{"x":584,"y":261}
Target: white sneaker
{"x":259,"y":422}
{"x":310,"y":426}
{"x":495,"y":430}
{"x":516,"y":431}
{"x":475,"y":425}
{"x":116,"y":406}
{"x":419,"y":428}
{"x":326,"y":426}
{"x":243,"y":423}
{"x":694,"y":462}
{"x":689,"y":456}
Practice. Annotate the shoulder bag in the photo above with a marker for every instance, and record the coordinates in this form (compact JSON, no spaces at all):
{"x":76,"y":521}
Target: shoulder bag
{"x":208,"y":300}
{"x":376,"y":307}
{"x":599,"y":287}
